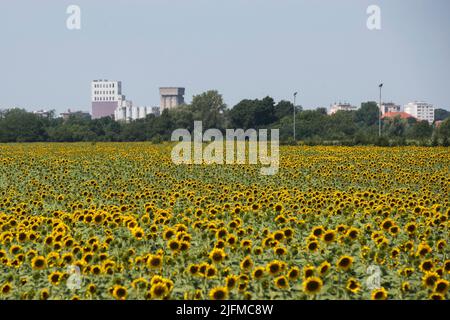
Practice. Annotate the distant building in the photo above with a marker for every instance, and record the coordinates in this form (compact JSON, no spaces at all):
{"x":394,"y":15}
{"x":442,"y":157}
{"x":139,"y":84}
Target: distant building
{"x":80,"y":114}
{"x":127,"y":112}
{"x":156,"y":111}
{"x":43,"y":113}
{"x":171,"y":97}
{"x":390,"y":107}
{"x":421,"y":111}
{"x":106,"y":97}
{"x":341,"y":107}
{"x":401,"y":115}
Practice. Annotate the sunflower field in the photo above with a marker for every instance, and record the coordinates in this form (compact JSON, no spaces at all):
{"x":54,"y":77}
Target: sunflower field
{"x":334,"y":223}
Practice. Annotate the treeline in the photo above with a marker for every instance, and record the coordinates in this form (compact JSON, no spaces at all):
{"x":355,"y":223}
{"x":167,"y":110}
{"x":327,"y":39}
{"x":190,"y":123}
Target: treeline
{"x":312,"y":126}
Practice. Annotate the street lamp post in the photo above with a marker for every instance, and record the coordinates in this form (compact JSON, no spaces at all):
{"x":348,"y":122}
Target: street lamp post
{"x":379,"y":112}
{"x":295,"y":95}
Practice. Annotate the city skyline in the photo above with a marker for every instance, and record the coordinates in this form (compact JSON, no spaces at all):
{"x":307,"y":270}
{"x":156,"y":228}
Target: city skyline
{"x":322,"y":50}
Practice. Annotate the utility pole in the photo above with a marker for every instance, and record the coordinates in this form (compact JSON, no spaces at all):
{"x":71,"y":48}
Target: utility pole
{"x":379,"y":112}
{"x":295,"y":95}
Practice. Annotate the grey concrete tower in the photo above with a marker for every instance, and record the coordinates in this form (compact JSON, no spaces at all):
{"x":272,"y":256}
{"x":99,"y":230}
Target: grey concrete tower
{"x":171,"y":97}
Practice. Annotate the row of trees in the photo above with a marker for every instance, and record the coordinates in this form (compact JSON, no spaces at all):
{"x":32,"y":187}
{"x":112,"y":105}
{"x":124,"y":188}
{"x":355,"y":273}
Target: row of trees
{"x":312,"y":126}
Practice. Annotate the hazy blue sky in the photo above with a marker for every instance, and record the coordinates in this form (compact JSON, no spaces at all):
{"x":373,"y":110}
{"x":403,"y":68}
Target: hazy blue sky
{"x":243,"y":48}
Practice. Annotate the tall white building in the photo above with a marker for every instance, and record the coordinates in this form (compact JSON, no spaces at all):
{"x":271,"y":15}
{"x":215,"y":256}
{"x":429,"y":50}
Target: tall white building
{"x":421,"y":111}
{"x":341,"y":107}
{"x":106,"y":97}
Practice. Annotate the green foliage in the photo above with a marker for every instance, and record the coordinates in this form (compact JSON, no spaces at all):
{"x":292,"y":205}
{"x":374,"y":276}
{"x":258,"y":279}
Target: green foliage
{"x":441,"y":114}
{"x":313,"y":127}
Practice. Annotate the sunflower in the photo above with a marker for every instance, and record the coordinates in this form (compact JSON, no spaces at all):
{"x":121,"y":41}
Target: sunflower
{"x":242,"y":286}
{"x":406,"y":286}
{"x":44,"y":294}
{"x":156,"y":279}
{"x":278,"y":207}
{"x":232,"y":239}
{"x":379,"y":294}
{"x":387,"y":224}
{"x":308,"y":272}
{"x":230,"y":281}
{"x":217,"y":255}
{"x":436,"y":296}
{"x":258,"y":250}
{"x":406,"y":271}
{"x":246,"y":263}
{"x":279,"y":251}
{"x":258,"y":273}
{"x":352,"y":233}
{"x":447,"y":266}
{"x":423,"y":249}
{"x":159,"y":290}
{"x":411,"y":227}
{"x":14,"y":250}
{"x":313,"y":245}
{"x":22,"y":236}
{"x":344,"y":263}
{"x":211,"y":272}
{"x":426,"y":265}
{"x":318,"y":231}
{"x":429,"y":279}
{"x":441,"y":286}
{"x":288,"y":232}
{"x":202,"y":268}
{"x":222,"y":233}
{"x":394,"y":230}
{"x":6,"y":288}
{"x":294,"y":273}
{"x":312,"y":285}
{"x":441,"y":245}
{"x":218,"y":293}
{"x":274,"y":267}
{"x":353,"y":285}
{"x":138,"y":233}
{"x":246,"y":243}
{"x":92,"y":288}
{"x":281,"y":282}
{"x":168,"y":233}
{"x":173,"y":245}
{"x":155,"y":261}
{"x":324,"y":268}
{"x":193,"y":269}
{"x":329,"y":236}
{"x":119,"y":292}
{"x":279,"y":235}
{"x":38,"y":263}
{"x":54,"y":278}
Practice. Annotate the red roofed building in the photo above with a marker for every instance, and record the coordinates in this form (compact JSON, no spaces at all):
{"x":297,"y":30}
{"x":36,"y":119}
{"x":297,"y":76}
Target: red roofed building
{"x":402,"y":115}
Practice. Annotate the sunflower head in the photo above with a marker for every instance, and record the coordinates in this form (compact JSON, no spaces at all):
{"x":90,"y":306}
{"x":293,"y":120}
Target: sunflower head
{"x":218,"y":293}
{"x":38,"y":263}
{"x":217,"y":255}
{"x":353,"y":285}
{"x":312,"y":285}
{"x":155,"y":261}
{"x":344,"y":263}
{"x":281,"y":282}
{"x":379,"y":294}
